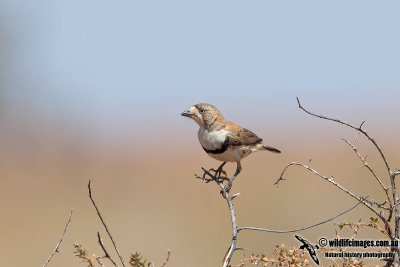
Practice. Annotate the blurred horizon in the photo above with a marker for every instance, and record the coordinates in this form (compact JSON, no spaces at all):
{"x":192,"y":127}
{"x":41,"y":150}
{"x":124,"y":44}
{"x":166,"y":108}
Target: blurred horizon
{"x":94,"y":90}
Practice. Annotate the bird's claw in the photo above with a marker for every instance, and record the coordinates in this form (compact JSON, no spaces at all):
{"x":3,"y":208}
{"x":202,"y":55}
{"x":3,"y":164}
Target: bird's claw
{"x":204,"y":178}
{"x":216,"y":175}
{"x":218,"y":172}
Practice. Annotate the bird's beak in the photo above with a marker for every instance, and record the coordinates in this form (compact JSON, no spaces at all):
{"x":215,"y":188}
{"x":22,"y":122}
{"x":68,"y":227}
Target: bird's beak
{"x":187,"y":114}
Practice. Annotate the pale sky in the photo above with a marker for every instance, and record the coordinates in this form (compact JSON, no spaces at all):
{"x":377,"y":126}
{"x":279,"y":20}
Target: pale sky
{"x":97,"y":61}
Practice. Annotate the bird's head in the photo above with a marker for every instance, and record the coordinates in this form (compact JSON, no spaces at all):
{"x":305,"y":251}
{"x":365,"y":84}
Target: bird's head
{"x":204,"y":114}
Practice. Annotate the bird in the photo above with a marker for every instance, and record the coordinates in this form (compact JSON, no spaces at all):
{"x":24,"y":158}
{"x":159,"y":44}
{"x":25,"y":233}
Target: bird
{"x":224,"y":140}
{"x":311,"y":249}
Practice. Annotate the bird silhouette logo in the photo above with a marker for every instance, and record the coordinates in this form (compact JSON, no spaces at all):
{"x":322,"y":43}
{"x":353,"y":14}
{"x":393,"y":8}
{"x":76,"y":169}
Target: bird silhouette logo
{"x":310,"y":248}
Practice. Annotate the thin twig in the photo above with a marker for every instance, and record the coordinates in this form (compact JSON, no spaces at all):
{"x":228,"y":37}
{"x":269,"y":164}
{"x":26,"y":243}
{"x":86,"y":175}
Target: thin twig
{"x":167,"y":259}
{"x":105,"y":226}
{"x":364,"y":161}
{"x":98,"y":259}
{"x":358,"y":135}
{"x":236,"y":229}
{"x":355,"y":128}
{"x":106,"y":254}
{"x":355,"y":226}
{"x":330,"y":179}
{"x":232,"y":248}
{"x":381,"y":205}
{"x":59,"y":242}
{"x":392,"y":177}
{"x":367,"y":165}
{"x":229,"y":199}
{"x":298,"y":229}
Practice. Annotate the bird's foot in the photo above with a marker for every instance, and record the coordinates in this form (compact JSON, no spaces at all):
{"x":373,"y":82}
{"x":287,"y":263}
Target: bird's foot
{"x":218,"y":172}
{"x":204,"y":178}
{"x":213,"y":175}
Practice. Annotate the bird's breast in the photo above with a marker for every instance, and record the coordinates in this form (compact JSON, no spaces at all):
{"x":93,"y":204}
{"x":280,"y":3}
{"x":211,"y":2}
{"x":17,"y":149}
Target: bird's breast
{"x":212,"y":140}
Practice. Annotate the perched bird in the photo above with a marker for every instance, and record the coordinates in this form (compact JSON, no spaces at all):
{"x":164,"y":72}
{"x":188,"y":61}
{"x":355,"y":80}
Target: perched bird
{"x":224,"y":140}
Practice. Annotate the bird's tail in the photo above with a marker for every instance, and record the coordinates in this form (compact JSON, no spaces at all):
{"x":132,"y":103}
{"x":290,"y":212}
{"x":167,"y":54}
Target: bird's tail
{"x":270,"y":148}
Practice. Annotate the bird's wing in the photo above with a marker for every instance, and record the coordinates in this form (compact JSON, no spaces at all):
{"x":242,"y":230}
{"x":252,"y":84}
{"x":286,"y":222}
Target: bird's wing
{"x":299,"y":238}
{"x":240,"y":136}
{"x":315,"y":258}
{"x":305,"y":242}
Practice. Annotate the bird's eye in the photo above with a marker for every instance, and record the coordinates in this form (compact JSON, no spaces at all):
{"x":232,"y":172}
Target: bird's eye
{"x":201,"y":111}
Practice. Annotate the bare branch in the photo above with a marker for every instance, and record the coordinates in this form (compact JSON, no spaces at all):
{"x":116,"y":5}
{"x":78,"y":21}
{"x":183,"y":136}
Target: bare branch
{"x":167,"y":259}
{"x":380,"y":205}
{"x":235,"y":195}
{"x":330,"y":179}
{"x":106,"y":255}
{"x":232,"y":248}
{"x":364,"y":161}
{"x":355,"y":128}
{"x":59,"y":242}
{"x":299,"y":229}
{"x":236,"y":229}
{"x":98,"y":259}
{"x":104,"y":224}
{"x":228,"y":198}
{"x":355,"y":139}
{"x":389,"y":170}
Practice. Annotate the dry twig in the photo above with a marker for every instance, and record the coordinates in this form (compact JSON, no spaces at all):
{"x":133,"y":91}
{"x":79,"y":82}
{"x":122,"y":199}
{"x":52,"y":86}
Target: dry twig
{"x":104,"y":224}
{"x":236,"y":229}
{"x":167,"y":259}
{"x":59,"y":242}
{"x":330,"y":179}
{"x":393,"y":203}
{"x":359,"y":128}
{"x":302,"y":228}
{"x":106,"y":254}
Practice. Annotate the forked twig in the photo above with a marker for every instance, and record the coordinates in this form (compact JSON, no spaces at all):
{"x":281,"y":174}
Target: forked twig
{"x":236,"y":229}
{"x":330,"y":179}
{"x":100,"y":262}
{"x":61,"y":239}
{"x":302,"y":228}
{"x":229,"y":199}
{"x":104,"y":224}
{"x":106,"y":254}
{"x":355,"y":128}
{"x":365,"y":164}
{"x":392,"y":175}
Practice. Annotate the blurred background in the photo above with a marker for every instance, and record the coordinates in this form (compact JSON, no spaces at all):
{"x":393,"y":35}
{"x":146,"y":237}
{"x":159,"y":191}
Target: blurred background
{"x":94,"y":90}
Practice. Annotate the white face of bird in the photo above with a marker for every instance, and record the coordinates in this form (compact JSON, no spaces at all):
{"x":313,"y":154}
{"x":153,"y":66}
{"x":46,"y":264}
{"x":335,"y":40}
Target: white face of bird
{"x":195,"y":114}
{"x":203,"y":114}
